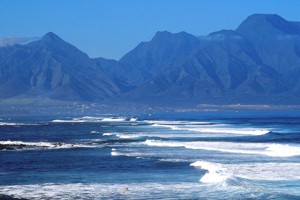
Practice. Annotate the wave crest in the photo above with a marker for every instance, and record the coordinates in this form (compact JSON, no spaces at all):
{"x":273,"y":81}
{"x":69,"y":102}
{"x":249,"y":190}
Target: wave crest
{"x":273,"y":150}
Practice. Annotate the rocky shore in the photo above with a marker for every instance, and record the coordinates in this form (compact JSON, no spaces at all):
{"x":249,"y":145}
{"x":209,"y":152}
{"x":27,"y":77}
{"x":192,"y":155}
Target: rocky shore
{"x":6,"y":197}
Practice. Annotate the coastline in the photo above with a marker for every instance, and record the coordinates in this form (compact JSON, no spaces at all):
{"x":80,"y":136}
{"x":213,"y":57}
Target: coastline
{"x":7,"y":197}
{"x":85,"y":108}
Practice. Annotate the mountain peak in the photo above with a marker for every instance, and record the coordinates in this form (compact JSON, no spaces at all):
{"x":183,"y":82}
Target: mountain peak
{"x":162,"y":35}
{"x":54,"y":42}
{"x":261,"y":19}
{"x":167,"y":34}
{"x":260,"y":16}
{"x":50,"y":36}
{"x":267,"y":25}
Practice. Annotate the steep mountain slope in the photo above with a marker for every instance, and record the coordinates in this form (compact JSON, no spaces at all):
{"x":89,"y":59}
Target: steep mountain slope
{"x":116,"y":72}
{"x":277,"y":42}
{"x":52,"y":68}
{"x":150,"y":58}
{"x":225,"y":69}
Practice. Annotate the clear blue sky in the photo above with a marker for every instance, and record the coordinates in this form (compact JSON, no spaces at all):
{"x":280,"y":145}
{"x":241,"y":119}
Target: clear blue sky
{"x":110,"y":28}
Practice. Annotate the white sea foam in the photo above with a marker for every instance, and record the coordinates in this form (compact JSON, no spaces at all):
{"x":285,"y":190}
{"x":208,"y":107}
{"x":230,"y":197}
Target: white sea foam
{"x":111,"y":119}
{"x":175,"y":122}
{"x":237,"y":130}
{"x":268,"y":171}
{"x":174,"y":125}
{"x":128,"y":154}
{"x":146,"y":190}
{"x":89,"y":119}
{"x":219,"y":173}
{"x":205,"y":127}
{"x":110,"y":134}
{"x":94,"y":132}
{"x":102,"y":191}
{"x":124,"y":135}
{"x":114,"y":153}
{"x":38,"y":144}
{"x":216,"y":173}
{"x":17,"y":124}
{"x":133,"y":119}
{"x":273,"y":150}
{"x":127,"y":136}
{"x":69,"y":120}
{"x":9,"y":124}
{"x":282,"y":150}
{"x":156,"y":135}
{"x":45,"y":145}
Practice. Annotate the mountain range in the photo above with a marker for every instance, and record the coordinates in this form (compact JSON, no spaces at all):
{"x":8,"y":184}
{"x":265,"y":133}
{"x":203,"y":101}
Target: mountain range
{"x":257,"y":63}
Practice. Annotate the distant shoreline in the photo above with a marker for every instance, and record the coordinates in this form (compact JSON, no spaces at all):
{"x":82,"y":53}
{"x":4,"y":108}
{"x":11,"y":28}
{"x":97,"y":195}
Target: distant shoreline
{"x":78,"y":108}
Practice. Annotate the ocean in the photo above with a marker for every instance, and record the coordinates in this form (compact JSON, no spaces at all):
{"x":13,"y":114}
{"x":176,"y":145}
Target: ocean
{"x":210,"y":155}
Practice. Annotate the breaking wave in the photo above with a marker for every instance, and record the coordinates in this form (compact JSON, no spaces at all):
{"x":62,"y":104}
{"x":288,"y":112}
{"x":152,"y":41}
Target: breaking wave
{"x":221,"y":173}
{"x":273,"y":150}
{"x":209,"y":127}
{"x":90,"y":119}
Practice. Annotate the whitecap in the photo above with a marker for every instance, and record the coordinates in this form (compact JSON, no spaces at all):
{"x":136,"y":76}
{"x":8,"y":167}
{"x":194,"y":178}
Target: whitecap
{"x":282,"y":150}
{"x":123,"y":135}
{"x":110,"y":134}
{"x":94,"y":132}
{"x":9,"y":124}
{"x":218,"y":173}
{"x":68,"y":120}
{"x":215,"y":172}
{"x":273,"y":150}
{"x":89,"y":119}
{"x":133,"y":119}
{"x":175,"y":122}
{"x":155,"y":134}
{"x":28,"y":144}
{"x":236,"y":130}
{"x":127,"y":136}
{"x":17,"y":124}
{"x":205,"y":127}
{"x":111,"y":119}
{"x":114,"y":153}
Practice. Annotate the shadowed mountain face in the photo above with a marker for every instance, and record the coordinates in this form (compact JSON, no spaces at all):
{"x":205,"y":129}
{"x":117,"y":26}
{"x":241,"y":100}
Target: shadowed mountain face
{"x":151,"y":58}
{"x":259,"y":62}
{"x":276,"y":41}
{"x":226,"y":68}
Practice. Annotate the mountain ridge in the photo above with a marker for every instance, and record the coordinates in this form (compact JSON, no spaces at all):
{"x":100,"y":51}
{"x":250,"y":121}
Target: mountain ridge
{"x":257,"y":63}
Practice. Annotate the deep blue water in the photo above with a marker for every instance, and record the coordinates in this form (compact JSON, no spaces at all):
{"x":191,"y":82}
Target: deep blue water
{"x":157,"y":156}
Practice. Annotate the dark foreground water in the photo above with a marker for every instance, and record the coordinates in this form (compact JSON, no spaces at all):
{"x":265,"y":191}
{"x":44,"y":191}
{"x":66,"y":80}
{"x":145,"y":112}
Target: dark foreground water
{"x":158,"y":156}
